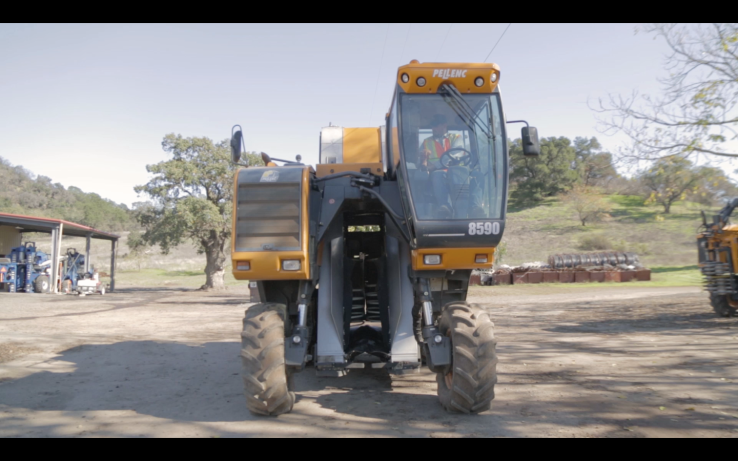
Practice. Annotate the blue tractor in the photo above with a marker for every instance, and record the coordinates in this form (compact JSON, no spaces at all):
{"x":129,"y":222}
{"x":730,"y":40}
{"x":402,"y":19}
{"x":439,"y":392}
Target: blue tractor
{"x":29,"y":270}
{"x":72,"y":270}
{"x":25,"y":270}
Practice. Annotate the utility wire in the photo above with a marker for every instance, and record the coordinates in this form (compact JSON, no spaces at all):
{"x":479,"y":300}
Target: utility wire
{"x":498,"y":41}
{"x":402,"y":55}
{"x":444,"y":41}
{"x":379,"y":74}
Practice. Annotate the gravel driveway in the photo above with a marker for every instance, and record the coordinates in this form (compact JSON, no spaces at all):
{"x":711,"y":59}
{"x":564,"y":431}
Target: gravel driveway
{"x":600,"y":362}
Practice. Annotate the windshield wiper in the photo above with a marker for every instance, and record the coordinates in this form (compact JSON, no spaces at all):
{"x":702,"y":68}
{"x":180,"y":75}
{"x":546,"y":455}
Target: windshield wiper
{"x":463,"y":109}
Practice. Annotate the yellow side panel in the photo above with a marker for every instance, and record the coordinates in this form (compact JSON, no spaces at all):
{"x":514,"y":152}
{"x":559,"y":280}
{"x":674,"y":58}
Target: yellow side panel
{"x":362,"y":145}
{"x":267,"y":265}
{"x":324,"y":169}
{"x":453,"y":258}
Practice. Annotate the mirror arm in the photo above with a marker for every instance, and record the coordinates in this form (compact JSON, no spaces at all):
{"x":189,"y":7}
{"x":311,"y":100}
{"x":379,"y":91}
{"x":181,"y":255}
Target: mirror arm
{"x":519,"y":121}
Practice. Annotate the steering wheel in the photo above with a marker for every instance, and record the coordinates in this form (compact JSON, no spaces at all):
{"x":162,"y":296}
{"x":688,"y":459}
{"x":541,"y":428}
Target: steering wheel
{"x":466,"y":159}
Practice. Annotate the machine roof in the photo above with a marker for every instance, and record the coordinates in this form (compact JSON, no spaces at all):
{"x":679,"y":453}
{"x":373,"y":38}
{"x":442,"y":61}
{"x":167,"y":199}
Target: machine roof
{"x":34,"y":224}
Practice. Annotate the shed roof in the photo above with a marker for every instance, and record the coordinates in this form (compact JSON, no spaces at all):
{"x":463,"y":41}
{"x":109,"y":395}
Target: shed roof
{"x":35,"y":224}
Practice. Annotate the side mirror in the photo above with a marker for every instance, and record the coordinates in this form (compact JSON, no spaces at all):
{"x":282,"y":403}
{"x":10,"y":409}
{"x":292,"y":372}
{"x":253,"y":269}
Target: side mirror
{"x":531,"y":145}
{"x":265,"y":158}
{"x":236,"y":146}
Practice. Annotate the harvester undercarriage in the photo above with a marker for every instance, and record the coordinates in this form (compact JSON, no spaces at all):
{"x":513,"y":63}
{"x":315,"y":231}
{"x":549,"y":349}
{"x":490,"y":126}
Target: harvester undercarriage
{"x":717,"y":248}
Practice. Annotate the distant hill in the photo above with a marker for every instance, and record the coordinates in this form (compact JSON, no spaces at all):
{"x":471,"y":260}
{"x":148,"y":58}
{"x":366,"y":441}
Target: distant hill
{"x":534,"y":233}
{"x":22,"y":192}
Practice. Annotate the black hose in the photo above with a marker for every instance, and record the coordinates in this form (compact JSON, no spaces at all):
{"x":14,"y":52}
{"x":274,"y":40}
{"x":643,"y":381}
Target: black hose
{"x":379,"y":197}
{"x":394,"y":216}
{"x":345,"y":173}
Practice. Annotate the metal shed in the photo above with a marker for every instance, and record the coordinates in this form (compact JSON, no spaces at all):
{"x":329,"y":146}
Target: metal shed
{"x":58,"y":228}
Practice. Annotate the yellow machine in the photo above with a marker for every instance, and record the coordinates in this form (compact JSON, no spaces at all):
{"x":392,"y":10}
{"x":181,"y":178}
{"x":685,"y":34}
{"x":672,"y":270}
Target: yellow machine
{"x":364,"y":261}
{"x":718,"y":256}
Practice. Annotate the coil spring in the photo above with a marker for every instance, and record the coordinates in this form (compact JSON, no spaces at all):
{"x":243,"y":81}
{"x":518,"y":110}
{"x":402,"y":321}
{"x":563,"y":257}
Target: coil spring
{"x":718,"y":278}
{"x":561,"y":261}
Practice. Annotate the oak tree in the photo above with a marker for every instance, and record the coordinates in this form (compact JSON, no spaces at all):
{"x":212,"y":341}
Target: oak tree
{"x":192,"y":199}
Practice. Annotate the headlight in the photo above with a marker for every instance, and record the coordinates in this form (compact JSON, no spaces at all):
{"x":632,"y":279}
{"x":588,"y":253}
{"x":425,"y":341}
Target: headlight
{"x":405,"y":78}
{"x":479,"y":81}
{"x":291,"y":265}
{"x":432,"y":260}
{"x":420,"y":81}
{"x":493,"y":78}
{"x":243,"y":265}
{"x":480,"y":259}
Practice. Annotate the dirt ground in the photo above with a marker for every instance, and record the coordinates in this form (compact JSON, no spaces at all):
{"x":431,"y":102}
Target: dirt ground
{"x":601,"y":362}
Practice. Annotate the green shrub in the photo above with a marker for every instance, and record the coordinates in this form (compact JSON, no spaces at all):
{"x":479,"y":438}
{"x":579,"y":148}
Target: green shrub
{"x":595,"y":242}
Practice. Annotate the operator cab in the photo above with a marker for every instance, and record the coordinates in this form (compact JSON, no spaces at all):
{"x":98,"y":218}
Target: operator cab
{"x":447,"y":143}
{"x":454,"y":155}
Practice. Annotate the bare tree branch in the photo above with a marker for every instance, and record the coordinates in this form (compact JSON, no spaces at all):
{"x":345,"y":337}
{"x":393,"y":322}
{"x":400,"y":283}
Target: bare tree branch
{"x":697,"y":112}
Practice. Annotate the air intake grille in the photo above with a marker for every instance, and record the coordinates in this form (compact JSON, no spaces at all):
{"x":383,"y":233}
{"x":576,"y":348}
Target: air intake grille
{"x":268,"y":217}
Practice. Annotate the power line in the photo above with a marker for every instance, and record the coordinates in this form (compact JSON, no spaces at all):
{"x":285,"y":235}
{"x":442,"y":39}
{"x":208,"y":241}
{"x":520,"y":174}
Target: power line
{"x":379,"y":73}
{"x":402,"y":55}
{"x":498,"y":41}
{"x":444,"y":41}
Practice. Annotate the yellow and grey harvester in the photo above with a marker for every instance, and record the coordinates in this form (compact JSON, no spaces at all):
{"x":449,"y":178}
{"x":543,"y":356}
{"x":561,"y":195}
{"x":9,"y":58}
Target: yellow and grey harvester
{"x":364,"y":261}
{"x":717,"y":247}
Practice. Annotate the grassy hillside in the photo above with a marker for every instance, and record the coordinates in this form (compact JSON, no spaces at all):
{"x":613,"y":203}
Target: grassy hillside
{"x":23,"y":192}
{"x":532,"y":234}
{"x":666,"y":243}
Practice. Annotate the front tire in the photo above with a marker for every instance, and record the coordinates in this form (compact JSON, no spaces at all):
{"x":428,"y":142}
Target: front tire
{"x":470,"y":386}
{"x":267,"y":382}
{"x":722,"y":305}
{"x":41,"y":284}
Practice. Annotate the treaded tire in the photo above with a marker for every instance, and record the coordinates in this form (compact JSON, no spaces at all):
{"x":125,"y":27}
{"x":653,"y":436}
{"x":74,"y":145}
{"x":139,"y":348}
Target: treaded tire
{"x":267,"y":383}
{"x":41,"y":284}
{"x":470,"y":387}
{"x":721,"y":305}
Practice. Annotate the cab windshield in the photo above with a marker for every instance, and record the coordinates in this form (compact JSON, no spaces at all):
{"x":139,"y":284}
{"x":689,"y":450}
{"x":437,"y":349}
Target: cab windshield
{"x":453,"y":154}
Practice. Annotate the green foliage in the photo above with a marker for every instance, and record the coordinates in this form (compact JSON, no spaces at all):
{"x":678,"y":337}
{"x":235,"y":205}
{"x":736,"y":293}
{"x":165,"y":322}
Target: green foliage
{"x":23,"y":192}
{"x":551,"y":173}
{"x":595,"y":167}
{"x":137,"y":246}
{"x":671,"y":179}
{"x":587,"y":202}
{"x":192,"y":200}
{"x":714,"y":187}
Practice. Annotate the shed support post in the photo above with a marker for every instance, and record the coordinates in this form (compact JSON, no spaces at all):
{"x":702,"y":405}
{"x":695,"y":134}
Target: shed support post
{"x":113,"y":254}
{"x":54,"y":252}
{"x":56,"y":243}
{"x":87,"y":253}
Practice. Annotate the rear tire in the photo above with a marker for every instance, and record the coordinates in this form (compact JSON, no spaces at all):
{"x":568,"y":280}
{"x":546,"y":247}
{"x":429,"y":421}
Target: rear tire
{"x":470,"y":386}
{"x":722,"y":306}
{"x":267,"y":382}
{"x":41,"y":284}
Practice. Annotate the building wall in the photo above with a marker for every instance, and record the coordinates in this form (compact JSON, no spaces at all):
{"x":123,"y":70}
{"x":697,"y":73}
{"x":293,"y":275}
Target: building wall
{"x":10,"y":237}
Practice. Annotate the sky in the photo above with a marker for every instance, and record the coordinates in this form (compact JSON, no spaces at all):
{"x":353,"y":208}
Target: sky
{"x":88,"y":105}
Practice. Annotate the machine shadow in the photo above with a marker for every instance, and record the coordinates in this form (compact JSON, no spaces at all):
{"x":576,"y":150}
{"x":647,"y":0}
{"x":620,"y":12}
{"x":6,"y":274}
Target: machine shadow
{"x":195,"y":383}
{"x":202,"y":383}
